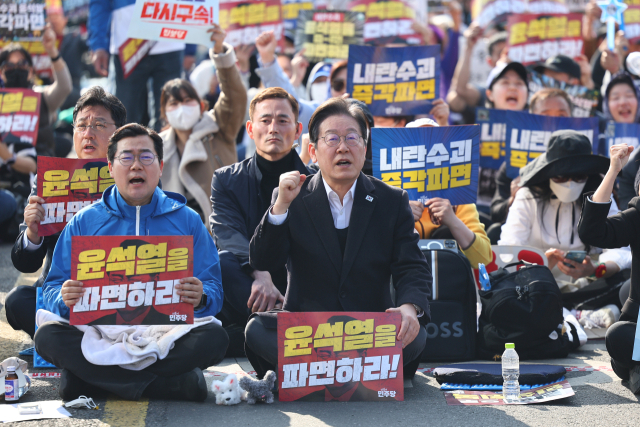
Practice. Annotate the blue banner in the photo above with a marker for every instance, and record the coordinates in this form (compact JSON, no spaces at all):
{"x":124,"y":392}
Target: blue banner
{"x":528,"y":136}
{"x":430,"y":161}
{"x":493,"y":131}
{"x":620,"y":133}
{"x":290,"y":11}
{"x":394,"y":81}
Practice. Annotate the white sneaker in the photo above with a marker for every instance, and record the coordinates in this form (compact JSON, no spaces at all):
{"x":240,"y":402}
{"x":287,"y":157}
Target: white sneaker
{"x":602,"y":318}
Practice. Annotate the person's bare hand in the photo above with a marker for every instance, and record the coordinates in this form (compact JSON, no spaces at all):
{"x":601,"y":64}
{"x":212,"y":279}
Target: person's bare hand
{"x":619,"y":155}
{"x":243,"y":55}
{"x":515,"y":186}
{"x":266,"y":44}
{"x":416,"y":209}
{"x":299,"y":65}
{"x":592,"y":11}
{"x":584,"y":269}
{"x":409,"y":326}
{"x":33,"y":216}
{"x":190,"y":290}
{"x":49,"y":41}
{"x":441,"y":210}
{"x":473,"y":34}
{"x":553,"y":257}
{"x":585,"y":71}
{"x":264,"y":294}
{"x":217,"y":37}
{"x":100,"y":59}
{"x":289,"y":188}
{"x":71,"y":292}
{"x":440,"y":112}
{"x":610,"y":61}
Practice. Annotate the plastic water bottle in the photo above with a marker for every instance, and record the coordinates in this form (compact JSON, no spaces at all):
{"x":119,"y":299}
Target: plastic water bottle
{"x":510,"y":373}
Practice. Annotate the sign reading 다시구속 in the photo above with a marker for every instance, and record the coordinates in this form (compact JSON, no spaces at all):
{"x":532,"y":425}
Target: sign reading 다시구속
{"x":327,"y":34}
{"x":67,"y":186}
{"x":185,"y":21}
{"x":528,"y":136}
{"x":430,"y":161}
{"x":394,"y":81}
{"x":345,"y":356}
{"x":131,"y":280}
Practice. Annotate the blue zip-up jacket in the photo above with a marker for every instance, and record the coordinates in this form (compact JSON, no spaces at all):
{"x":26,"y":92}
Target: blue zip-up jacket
{"x":166,"y":215}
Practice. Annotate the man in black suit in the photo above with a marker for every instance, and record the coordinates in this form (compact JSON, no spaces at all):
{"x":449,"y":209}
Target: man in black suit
{"x":240,"y":195}
{"x":343,"y":236}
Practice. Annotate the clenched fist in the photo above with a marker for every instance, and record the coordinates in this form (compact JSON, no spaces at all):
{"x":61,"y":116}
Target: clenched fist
{"x":289,"y":188}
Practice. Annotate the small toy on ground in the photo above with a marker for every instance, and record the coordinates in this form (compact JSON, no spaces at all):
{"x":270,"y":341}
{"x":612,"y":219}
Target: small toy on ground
{"x":259,"y":390}
{"x":228,"y":392}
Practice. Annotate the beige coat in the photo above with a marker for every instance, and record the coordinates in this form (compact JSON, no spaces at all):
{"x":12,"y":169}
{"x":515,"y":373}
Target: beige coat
{"x":212,"y":143}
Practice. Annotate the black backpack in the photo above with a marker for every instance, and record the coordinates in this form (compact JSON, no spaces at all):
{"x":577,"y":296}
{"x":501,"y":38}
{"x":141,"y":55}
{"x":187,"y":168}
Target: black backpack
{"x":451,"y":335}
{"x":524,"y":308}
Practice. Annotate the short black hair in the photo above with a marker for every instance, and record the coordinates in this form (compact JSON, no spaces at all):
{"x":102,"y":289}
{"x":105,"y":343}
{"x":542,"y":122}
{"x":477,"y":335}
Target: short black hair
{"x":173,"y":88}
{"x":96,"y":95}
{"x":14,"y":47}
{"x":336,"y":107}
{"x":132,"y":130}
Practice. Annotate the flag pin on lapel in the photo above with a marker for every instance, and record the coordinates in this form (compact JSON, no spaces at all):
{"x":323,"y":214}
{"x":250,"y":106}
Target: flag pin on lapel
{"x":369,"y":199}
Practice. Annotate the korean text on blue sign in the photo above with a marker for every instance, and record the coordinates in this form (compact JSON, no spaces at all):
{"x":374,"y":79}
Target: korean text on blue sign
{"x":394,"y":81}
{"x":620,"y":133}
{"x":493,"y":131}
{"x":430,"y":161}
{"x":528,"y":136}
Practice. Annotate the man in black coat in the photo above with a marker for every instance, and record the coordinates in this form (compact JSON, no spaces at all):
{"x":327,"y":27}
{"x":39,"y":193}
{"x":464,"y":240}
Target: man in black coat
{"x":343,"y":236}
{"x":104,"y":113}
{"x":240,"y":195}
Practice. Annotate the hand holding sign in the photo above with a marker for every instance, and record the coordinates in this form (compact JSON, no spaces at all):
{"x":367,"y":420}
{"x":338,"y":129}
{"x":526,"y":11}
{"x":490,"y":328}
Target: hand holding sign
{"x":33,"y":215}
{"x":217,"y":37}
{"x":49,"y":41}
{"x":289,"y":188}
{"x":71,"y":292}
{"x":619,"y":155}
{"x":410,"y":326}
{"x":190,"y":290}
{"x":440,"y":112}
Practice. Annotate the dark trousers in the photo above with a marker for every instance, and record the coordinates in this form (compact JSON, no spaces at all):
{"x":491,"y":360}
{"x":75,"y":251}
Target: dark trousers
{"x":20,"y":307}
{"x":619,"y":340}
{"x":60,"y":344}
{"x":132,"y":91}
{"x":236,"y":285}
{"x":262,"y":346}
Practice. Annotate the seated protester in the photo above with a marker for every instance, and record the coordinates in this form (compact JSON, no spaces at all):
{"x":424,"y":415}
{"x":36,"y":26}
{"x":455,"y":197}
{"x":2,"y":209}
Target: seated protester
{"x":546,"y":102}
{"x":198,"y":142}
{"x":333,"y":263}
{"x":545,"y":212}
{"x":240,"y":195}
{"x":564,"y":69}
{"x":95,"y":117}
{"x":442,"y":221}
{"x":462,"y":94}
{"x":135,"y":206}
{"x":17,"y":72}
{"x":598,"y":228}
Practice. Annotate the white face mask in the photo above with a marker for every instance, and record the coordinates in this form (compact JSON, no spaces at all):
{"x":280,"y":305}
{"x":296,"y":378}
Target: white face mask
{"x":319,"y":92}
{"x":567,"y":192}
{"x":184,"y":117}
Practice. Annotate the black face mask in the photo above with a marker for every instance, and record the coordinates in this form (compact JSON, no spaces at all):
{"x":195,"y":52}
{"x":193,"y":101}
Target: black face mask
{"x":18,"y":77}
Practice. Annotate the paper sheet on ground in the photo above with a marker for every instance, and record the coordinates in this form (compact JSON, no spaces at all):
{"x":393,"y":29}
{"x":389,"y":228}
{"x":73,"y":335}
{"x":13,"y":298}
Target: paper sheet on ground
{"x":50,"y":409}
{"x":537,"y":395}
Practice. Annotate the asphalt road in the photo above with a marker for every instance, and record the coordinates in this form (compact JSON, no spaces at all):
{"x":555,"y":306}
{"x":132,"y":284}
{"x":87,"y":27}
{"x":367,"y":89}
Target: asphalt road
{"x":600,"y":398}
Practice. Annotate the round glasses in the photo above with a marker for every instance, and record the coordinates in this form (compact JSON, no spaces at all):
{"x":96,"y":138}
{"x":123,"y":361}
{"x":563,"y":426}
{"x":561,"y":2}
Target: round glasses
{"x":351,"y":139}
{"x":127,"y":159}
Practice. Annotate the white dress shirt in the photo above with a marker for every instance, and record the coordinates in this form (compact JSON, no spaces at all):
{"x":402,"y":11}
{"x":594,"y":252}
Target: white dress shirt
{"x":341,"y":212}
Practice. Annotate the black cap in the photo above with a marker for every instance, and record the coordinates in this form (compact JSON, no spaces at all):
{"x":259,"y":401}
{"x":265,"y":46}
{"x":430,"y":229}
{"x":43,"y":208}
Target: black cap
{"x":499,"y":71}
{"x":561,"y":64}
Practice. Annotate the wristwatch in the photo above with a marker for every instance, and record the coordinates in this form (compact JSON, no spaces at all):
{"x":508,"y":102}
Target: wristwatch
{"x":203,"y":302}
{"x":419,"y":311}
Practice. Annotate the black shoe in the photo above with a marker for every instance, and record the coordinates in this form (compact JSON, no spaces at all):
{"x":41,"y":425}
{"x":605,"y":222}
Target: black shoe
{"x":190,"y":386}
{"x":194,"y":386}
{"x":634,"y":380}
{"x":236,"y":340}
{"x":72,"y":387}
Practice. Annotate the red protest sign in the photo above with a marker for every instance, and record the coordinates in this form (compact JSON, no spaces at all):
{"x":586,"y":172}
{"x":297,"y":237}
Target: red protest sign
{"x":68,"y":185}
{"x":244,"y":21}
{"x":632,"y":21}
{"x":19,"y":115}
{"x":345,"y":356}
{"x":535,"y":38}
{"x":131,"y":53}
{"x":130,"y":280}
{"x":41,"y":61}
{"x":389,"y":21}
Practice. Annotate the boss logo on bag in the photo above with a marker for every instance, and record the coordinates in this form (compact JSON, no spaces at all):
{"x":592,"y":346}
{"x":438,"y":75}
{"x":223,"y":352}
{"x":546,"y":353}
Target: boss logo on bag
{"x":443,"y":331}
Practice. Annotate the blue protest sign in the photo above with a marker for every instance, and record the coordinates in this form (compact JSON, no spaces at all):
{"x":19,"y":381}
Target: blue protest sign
{"x":429,"y":162}
{"x":394,"y":81}
{"x":528,"y":136}
{"x":620,"y":133}
{"x":493,"y":130}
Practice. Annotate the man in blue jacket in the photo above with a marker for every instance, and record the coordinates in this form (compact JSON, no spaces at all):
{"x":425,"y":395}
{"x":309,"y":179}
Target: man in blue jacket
{"x":135,"y":206}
